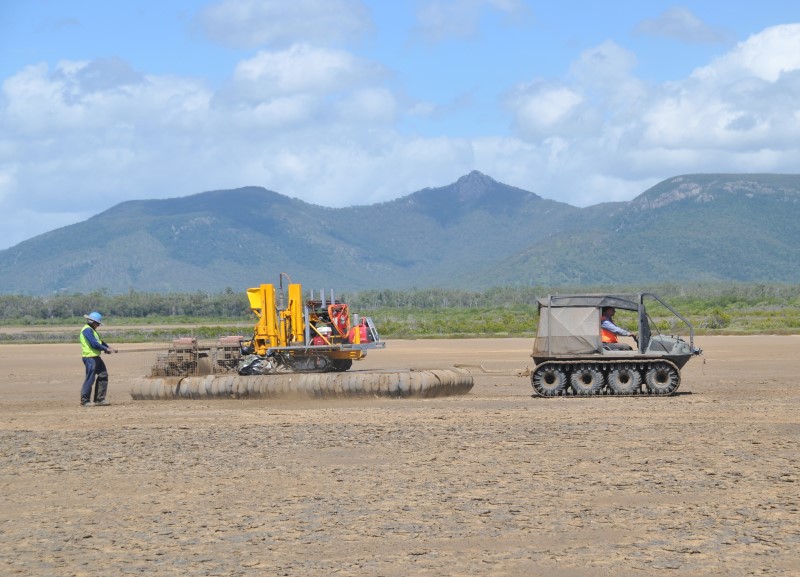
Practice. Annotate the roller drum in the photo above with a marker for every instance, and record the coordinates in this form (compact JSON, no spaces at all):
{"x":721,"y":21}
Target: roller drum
{"x":402,"y":383}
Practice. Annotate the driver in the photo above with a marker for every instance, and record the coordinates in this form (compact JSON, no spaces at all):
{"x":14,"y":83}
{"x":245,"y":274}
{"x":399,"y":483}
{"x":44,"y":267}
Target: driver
{"x":609,"y":331}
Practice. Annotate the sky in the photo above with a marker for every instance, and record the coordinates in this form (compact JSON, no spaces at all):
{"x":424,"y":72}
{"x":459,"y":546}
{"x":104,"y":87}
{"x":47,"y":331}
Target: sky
{"x":353,"y":102}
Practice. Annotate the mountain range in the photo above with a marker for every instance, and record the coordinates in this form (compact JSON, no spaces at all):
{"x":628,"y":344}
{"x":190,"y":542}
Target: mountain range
{"x":472,"y":234}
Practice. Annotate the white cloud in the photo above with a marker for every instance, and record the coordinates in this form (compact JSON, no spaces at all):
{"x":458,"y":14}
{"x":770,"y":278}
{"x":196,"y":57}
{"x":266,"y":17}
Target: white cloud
{"x":601,"y":92}
{"x":741,"y":101}
{"x":605,"y":133}
{"x":89,"y":144}
{"x":258,"y":23}
{"x":764,"y":56}
{"x":439,"y":20}
{"x":301,"y":69}
{"x":681,"y":24}
{"x":320,"y":124}
{"x":41,"y":102}
{"x":304,"y":85}
{"x":370,"y":106}
{"x":276,"y":113}
{"x":543,"y":109}
{"x":8,"y":175}
{"x":605,"y":66}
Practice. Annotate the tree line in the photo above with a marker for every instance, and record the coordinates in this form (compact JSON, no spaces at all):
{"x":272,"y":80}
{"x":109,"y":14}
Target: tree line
{"x":132,"y":305}
{"x":724,"y":298}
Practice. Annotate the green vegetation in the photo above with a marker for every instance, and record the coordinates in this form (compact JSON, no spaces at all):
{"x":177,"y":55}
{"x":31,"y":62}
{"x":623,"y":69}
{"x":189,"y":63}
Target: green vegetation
{"x":420,"y":313}
{"x":473,"y":234}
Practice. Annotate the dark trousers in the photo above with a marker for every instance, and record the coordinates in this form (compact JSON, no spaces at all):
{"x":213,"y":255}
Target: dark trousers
{"x":617,"y":347}
{"x":97,"y":375}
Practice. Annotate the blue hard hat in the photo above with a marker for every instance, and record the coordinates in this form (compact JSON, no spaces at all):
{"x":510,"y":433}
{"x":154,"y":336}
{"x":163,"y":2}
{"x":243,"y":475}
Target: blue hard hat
{"x":94,"y":316}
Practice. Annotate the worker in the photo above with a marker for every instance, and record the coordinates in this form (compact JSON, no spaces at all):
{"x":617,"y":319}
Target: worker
{"x":96,"y":373}
{"x":609,"y":331}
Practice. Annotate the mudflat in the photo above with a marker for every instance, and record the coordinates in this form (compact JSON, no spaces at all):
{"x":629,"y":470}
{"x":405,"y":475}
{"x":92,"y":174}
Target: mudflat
{"x":495,"y":482}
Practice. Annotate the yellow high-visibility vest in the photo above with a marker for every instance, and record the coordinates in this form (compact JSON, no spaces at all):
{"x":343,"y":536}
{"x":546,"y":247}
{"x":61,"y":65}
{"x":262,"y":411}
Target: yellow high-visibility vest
{"x":86,"y":348}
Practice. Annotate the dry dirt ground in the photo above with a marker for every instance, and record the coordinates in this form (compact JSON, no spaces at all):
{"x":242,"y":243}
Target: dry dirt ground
{"x":492,"y":483}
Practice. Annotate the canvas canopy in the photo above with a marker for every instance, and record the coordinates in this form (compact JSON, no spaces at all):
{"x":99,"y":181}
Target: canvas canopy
{"x":624,"y":302}
{"x":570,"y":324}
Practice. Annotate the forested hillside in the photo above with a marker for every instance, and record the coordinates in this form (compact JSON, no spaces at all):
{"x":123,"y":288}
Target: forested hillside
{"x":473,"y":234}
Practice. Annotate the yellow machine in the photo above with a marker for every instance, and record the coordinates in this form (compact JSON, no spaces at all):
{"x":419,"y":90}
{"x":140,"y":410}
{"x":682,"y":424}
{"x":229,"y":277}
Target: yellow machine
{"x":291,"y":334}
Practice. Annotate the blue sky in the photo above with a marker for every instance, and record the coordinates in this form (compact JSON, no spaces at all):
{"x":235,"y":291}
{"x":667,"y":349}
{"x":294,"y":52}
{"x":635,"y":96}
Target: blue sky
{"x":342,"y":102}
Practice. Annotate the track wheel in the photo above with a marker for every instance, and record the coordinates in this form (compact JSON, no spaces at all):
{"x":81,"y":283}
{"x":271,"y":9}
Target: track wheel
{"x":662,"y":379}
{"x":586,"y":380}
{"x":341,"y":365}
{"x":549,"y":381}
{"x":624,"y":380}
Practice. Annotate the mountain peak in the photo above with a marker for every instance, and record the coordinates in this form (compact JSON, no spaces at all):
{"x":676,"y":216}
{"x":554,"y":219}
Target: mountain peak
{"x":473,"y":191}
{"x":473,"y":186}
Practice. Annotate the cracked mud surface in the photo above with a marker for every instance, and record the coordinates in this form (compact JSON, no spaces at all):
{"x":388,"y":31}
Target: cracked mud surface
{"x":491,"y":483}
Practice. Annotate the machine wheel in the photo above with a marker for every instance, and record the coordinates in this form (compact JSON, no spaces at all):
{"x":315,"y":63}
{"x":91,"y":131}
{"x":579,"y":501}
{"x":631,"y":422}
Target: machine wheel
{"x":624,"y":380}
{"x":586,"y":380}
{"x":342,"y":365}
{"x":549,"y":381}
{"x":662,"y":379}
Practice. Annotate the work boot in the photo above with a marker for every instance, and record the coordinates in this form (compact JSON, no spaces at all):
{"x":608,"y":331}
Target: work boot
{"x":102,"y":403}
{"x":87,"y":404}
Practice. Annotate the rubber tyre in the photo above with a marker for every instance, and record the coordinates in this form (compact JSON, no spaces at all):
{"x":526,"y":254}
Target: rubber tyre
{"x":586,"y":380}
{"x":342,"y":365}
{"x":549,"y":381}
{"x":662,"y":379}
{"x":624,"y":380}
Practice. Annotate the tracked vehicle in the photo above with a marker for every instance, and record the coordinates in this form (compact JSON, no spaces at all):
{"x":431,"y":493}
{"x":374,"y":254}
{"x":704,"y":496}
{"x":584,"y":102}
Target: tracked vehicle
{"x":315,"y":335}
{"x":300,"y":348}
{"x":571,"y":358}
